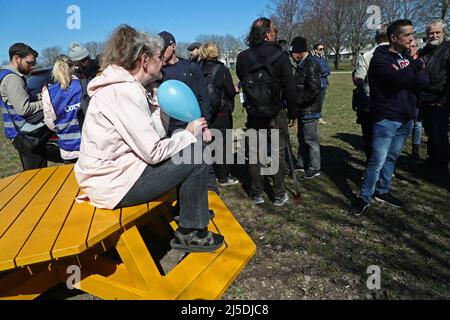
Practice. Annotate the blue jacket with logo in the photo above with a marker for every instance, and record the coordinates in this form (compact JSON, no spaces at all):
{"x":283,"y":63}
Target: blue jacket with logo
{"x":66,"y":104}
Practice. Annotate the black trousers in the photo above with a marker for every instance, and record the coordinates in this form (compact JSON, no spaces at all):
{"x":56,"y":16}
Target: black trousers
{"x":38,"y":157}
{"x":279,"y":123}
{"x":436,"y":122}
{"x":366,"y":123}
{"x":222,"y":122}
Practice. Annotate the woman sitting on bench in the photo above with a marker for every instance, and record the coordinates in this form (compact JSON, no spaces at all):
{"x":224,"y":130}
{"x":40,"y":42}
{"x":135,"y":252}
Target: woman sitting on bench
{"x":125,"y":155}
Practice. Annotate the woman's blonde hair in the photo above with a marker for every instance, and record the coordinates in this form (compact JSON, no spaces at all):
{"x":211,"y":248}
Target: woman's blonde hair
{"x":127,"y":45}
{"x":62,"y":71}
{"x":209,"y":51}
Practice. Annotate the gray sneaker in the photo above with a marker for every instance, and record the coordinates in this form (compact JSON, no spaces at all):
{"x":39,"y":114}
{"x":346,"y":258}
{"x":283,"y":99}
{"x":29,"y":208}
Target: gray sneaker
{"x":231,"y":181}
{"x":281,"y":201}
{"x":259,"y":199}
{"x":311,"y":174}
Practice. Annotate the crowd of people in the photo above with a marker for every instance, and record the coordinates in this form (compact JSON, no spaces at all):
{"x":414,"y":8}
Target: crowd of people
{"x":108,"y":121}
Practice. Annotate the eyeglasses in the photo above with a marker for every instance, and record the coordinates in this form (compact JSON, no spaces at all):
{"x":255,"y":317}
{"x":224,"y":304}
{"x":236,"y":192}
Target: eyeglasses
{"x":319,"y":49}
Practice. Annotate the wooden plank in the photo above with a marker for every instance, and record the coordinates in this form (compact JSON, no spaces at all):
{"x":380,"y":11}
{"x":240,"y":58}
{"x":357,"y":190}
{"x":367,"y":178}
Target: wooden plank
{"x":132,"y":213}
{"x":208,"y":275}
{"x":104,"y":224}
{"x":21,"y":285}
{"x":6,"y":181}
{"x":19,"y":202}
{"x":39,"y":245}
{"x":229,"y":263}
{"x":72,"y":238}
{"x":11,"y":190}
{"x":17,"y":235}
{"x":181,"y":277}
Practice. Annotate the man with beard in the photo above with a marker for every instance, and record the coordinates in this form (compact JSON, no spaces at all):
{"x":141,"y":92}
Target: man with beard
{"x":23,"y":118}
{"x":434,"y":99}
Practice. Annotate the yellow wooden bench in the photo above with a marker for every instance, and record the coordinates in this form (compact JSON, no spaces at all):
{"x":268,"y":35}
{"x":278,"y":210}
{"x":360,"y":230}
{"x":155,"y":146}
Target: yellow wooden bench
{"x":44,"y":231}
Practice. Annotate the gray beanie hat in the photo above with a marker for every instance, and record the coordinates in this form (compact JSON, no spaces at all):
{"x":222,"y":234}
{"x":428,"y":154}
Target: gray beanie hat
{"x":77,"y":52}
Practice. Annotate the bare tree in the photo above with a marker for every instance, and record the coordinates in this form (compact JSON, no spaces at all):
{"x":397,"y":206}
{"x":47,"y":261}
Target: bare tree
{"x":48,"y":56}
{"x":182,"y":50}
{"x":418,"y":11}
{"x":357,"y":33}
{"x":94,"y":48}
{"x":333,"y":14}
{"x":228,"y":45}
{"x":445,"y":6}
{"x":287,"y":16}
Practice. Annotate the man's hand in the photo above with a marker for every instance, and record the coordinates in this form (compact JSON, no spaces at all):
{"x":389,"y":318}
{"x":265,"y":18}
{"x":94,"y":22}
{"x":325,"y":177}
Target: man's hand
{"x":292,"y":123}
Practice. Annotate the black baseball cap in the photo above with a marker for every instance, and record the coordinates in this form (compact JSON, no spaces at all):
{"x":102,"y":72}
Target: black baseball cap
{"x":168,"y":38}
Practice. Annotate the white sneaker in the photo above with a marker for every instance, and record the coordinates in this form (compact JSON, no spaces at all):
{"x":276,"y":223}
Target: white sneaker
{"x":230,"y":182}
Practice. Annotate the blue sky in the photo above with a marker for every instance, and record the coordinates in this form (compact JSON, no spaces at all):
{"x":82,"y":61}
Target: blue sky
{"x":42,"y":23}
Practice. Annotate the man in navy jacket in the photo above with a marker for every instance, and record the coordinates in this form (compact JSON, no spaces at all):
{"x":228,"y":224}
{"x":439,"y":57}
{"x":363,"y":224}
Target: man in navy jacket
{"x":394,"y":79}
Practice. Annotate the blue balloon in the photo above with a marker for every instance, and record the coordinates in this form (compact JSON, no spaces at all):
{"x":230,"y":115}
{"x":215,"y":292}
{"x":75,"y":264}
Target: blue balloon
{"x":178,"y":101}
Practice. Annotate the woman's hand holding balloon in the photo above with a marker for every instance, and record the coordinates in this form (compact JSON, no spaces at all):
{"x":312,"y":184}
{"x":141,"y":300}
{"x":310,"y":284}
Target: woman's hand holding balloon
{"x":207,"y":135}
{"x":196,"y":127}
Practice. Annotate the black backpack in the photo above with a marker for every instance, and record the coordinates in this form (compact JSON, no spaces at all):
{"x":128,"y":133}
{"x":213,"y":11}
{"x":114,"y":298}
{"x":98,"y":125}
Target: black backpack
{"x":215,"y":94}
{"x":262,"y":90}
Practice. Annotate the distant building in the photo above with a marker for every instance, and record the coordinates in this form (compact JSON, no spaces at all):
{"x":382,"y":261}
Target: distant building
{"x":345,"y":53}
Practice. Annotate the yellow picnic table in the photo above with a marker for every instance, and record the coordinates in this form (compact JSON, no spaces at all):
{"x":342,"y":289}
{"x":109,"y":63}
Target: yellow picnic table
{"x":44,"y":232}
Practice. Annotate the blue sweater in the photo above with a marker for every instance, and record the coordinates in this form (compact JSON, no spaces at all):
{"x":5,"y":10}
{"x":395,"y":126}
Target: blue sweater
{"x":393,"y":90}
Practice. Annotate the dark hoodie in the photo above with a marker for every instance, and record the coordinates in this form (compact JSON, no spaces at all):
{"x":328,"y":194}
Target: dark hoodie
{"x":393,"y":92}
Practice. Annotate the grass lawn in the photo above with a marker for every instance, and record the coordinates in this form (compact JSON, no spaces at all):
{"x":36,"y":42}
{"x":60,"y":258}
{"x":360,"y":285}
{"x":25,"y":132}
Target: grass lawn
{"x":313,"y":249}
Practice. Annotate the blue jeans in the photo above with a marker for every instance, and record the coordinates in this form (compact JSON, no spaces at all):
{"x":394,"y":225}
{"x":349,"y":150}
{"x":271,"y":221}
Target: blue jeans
{"x":191,"y":181}
{"x":388,"y":140}
{"x":417,"y":129}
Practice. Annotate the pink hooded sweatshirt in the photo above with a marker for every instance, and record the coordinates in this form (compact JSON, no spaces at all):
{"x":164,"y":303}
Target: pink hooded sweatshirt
{"x":124,"y":131}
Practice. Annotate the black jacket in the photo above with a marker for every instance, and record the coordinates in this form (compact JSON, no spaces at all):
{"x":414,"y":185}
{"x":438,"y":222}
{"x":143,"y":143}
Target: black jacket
{"x":282,"y":68}
{"x":438,"y":67}
{"x":393,"y":90}
{"x":307,"y":82}
{"x":223,"y":81}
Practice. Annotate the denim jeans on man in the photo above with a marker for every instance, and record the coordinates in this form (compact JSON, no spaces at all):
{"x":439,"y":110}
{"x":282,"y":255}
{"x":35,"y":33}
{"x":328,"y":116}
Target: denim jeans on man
{"x":388,"y":140}
{"x":417,"y":129}
{"x":308,"y":155}
{"x":191,"y":181}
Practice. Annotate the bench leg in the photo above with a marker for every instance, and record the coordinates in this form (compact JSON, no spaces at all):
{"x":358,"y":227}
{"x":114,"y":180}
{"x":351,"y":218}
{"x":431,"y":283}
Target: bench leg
{"x":137,"y":259}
